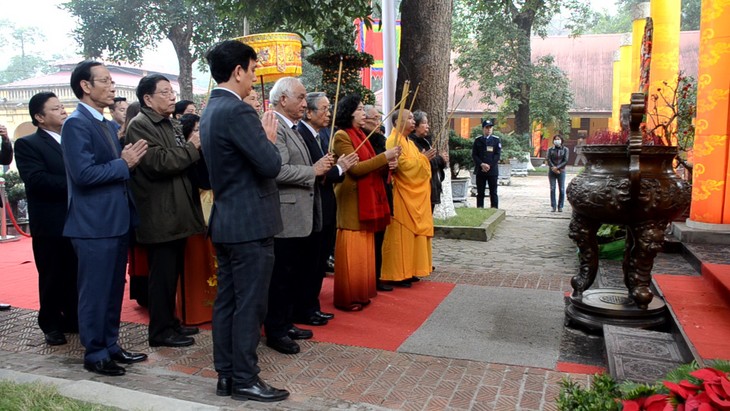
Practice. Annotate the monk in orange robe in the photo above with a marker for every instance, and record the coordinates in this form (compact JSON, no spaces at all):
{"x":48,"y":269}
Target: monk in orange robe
{"x":407,"y":243}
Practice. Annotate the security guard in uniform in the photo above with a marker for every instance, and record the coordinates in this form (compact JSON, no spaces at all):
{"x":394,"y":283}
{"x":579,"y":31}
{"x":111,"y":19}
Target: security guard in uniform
{"x":486,"y":153}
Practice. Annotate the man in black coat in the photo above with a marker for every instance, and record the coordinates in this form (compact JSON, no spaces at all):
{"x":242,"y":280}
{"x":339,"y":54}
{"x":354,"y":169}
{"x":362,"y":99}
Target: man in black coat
{"x":243,"y":163}
{"x":40,"y":162}
{"x":486,"y":153}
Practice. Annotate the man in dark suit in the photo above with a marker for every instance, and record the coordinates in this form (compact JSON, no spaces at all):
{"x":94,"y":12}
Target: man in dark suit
{"x":243,"y":163}
{"x":100,"y":215}
{"x":301,"y":213}
{"x":316,"y":118}
{"x":486,"y":153}
{"x":40,"y":162}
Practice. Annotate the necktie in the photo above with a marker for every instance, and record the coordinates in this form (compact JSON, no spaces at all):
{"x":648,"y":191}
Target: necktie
{"x":105,"y":128}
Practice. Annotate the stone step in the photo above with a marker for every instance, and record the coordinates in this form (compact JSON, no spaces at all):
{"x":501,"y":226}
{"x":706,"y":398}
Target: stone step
{"x":641,"y":355}
{"x":718,"y":275}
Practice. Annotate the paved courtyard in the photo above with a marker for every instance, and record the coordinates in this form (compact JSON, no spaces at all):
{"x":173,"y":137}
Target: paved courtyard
{"x":529,"y":251}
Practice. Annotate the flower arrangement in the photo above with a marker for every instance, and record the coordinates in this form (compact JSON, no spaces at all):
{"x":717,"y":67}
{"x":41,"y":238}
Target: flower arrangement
{"x":687,"y":388}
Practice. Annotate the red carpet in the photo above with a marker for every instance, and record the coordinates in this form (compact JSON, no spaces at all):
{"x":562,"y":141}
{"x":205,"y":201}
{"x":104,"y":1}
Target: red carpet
{"x":702,"y":312}
{"x":384,"y":324}
{"x":387,"y":322}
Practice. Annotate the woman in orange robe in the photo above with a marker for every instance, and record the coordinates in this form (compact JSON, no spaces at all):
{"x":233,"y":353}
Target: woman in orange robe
{"x":407,"y":243}
{"x":362,"y":208}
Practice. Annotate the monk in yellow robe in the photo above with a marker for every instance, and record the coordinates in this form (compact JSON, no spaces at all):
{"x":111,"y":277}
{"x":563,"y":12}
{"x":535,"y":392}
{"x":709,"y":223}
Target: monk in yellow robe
{"x":407,"y":243}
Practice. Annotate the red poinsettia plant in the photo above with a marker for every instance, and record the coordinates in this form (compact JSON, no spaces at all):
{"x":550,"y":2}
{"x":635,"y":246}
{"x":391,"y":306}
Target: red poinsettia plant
{"x":711,"y":392}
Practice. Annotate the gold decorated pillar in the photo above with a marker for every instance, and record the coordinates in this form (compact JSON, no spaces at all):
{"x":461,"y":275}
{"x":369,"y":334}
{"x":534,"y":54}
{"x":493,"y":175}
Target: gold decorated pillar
{"x":666,"y":16}
{"x":710,"y":189}
{"x":615,"y":101}
{"x":639,"y":13}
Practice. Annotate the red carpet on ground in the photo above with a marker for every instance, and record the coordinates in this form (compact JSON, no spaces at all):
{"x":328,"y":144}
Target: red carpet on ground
{"x":387,"y":321}
{"x":701,"y":311}
{"x":384,"y":324}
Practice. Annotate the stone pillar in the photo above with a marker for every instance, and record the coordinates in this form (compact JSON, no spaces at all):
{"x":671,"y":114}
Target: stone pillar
{"x":639,"y":13}
{"x":666,"y":16}
{"x":710,"y":189}
{"x":615,"y":101}
{"x":625,"y":82}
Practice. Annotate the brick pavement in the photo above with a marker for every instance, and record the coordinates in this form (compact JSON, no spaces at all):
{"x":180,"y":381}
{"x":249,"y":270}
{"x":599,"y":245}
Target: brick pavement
{"x":530,"y":249}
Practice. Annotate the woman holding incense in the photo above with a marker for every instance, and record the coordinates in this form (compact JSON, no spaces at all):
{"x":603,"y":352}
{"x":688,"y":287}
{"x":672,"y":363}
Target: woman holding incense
{"x":407,"y":243}
{"x":362,"y":207}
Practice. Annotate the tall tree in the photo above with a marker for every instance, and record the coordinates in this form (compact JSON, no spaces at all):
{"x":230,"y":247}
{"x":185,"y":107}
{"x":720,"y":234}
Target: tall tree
{"x":25,"y":64}
{"x":492,"y":39}
{"x":424,"y":60}
{"x":121,"y":30}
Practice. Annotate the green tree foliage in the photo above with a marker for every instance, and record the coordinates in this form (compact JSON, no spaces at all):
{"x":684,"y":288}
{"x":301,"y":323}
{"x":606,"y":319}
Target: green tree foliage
{"x":619,"y":19}
{"x":21,"y":68}
{"x":121,"y":30}
{"x":25,"y":64}
{"x":328,"y":24}
{"x":550,"y":97}
{"x":492,"y":39}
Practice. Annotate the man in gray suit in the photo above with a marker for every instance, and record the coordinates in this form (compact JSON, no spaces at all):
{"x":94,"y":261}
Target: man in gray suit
{"x":242,"y":161}
{"x":301,"y":214}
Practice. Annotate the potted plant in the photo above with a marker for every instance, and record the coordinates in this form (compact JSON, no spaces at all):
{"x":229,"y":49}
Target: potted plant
{"x":460,"y":159}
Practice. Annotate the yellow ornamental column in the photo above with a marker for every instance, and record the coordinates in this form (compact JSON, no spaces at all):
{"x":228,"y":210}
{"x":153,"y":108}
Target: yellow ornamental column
{"x":625,"y":64}
{"x":639,"y":13}
{"x":664,"y":56}
{"x":615,"y":100}
{"x":710,"y":189}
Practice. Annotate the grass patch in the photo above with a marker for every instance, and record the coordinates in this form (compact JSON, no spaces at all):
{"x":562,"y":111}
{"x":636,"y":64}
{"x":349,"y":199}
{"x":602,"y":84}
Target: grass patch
{"x":37,"y":396}
{"x":467,"y":217}
{"x":538,"y":171}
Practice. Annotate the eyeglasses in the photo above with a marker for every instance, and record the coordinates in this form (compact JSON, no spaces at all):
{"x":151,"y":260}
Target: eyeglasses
{"x":107,"y":81}
{"x":328,"y":108}
{"x":166,"y":93}
{"x":56,"y":108}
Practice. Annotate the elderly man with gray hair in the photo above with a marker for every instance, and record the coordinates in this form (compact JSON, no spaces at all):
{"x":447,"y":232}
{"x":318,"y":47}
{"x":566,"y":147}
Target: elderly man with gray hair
{"x":301,"y":213}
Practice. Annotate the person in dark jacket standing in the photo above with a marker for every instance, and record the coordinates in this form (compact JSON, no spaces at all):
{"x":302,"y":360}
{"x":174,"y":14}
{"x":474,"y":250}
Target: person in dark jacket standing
{"x":557,"y":158}
{"x":40,"y":162}
{"x":422,"y":139}
{"x":169,"y":207}
{"x":486,"y":153}
{"x":6,"y":157}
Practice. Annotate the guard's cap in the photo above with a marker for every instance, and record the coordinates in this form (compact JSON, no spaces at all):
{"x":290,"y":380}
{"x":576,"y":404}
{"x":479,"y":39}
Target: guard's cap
{"x":487,"y":123}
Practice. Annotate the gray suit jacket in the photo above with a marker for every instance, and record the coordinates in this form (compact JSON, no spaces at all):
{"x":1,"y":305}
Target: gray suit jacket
{"x":301,"y":208}
{"x":242,"y":165}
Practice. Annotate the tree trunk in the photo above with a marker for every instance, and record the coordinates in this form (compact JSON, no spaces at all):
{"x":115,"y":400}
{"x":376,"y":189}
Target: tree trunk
{"x":524,"y":21}
{"x":181,"y":36}
{"x":424,"y":60}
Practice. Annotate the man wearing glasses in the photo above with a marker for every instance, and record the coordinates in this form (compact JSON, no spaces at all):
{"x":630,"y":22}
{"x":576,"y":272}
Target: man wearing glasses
{"x":100,"y":215}
{"x":169,"y":208}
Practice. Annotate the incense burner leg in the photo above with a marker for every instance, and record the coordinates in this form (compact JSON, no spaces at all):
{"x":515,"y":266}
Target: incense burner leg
{"x":643,"y":241}
{"x":583,"y":232}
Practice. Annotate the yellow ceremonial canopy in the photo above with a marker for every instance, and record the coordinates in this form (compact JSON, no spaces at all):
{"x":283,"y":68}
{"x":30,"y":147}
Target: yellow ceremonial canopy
{"x":279,"y":54}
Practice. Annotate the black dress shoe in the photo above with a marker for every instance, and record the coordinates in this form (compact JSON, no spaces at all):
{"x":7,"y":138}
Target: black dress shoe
{"x":174,"y":340}
{"x":186,"y":331}
{"x":126,"y":357}
{"x":55,"y":338}
{"x":224,"y":386}
{"x":312,"y":320}
{"x":404,"y":284}
{"x":4,"y":307}
{"x":326,"y":316}
{"x":284,"y":345}
{"x":296,"y":333}
{"x":105,"y":367}
{"x":259,"y":391}
{"x":383,"y":287}
{"x":414,"y":279}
